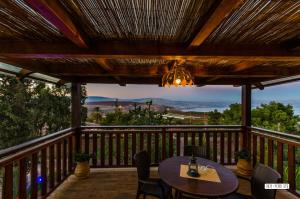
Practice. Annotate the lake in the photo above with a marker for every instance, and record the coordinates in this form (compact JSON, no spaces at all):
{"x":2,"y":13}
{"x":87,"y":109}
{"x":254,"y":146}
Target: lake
{"x":221,"y":109}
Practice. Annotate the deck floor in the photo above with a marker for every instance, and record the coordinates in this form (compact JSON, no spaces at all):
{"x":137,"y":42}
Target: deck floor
{"x":117,"y":184}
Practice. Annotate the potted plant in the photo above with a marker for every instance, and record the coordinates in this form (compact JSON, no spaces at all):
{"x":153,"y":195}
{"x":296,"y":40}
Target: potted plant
{"x":82,"y":169}
{"x":244,"y":162}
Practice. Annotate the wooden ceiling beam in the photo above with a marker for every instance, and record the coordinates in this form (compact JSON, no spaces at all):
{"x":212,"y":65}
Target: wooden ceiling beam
{"x":157,"y":81}
{"x":244,"y":65}
{"x":104,"y":65}
{"x":224,"y":9}
{"x":53,"y":12}
{"x":79,"y":69}
{"x":121,"y":50}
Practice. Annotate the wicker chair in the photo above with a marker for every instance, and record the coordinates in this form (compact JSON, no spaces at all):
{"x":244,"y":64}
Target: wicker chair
{"x":262,"y":174}
{"x":146,"y":185}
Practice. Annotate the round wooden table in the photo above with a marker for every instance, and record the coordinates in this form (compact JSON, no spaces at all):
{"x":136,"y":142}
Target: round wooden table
{"x":169,"y":172}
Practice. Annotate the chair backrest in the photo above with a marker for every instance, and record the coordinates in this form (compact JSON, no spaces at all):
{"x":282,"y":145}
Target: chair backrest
{"x":142,"y":162}
{"x":263,"y":174}
{"x":198,"y":151}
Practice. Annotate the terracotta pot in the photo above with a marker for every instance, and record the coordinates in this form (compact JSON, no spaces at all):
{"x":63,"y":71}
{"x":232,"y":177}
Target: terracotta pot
{"x":244,"y":167}
{"x":82,"y":169}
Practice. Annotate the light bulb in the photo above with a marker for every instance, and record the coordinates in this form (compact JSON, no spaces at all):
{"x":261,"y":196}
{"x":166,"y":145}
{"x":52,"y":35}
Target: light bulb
{"x":178,"y":81}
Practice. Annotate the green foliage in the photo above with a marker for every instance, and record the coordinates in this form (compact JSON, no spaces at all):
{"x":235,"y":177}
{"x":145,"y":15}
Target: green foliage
{"x":214,"y":117}
{"x":82,"y":157}
{"x":32,"y":108}
{"x":95,"y":116}
{"x":137,"y":116}
{"x":272,"y":116}
{"x":275,"y":116}
{"x":233,"y":114}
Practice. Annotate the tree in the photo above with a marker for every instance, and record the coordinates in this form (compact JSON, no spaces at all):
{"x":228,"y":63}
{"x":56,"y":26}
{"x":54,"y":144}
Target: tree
{"x":233,"y":114}
{"x":214,"y":117}
{"x":96,"y":116}
{"x":32,"y":108}
{"x":15,"y":111}
{"x":275,"y":116}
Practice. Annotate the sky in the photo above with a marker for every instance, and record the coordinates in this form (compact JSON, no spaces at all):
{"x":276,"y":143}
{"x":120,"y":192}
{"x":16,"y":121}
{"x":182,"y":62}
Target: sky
{"x":284,"y":92}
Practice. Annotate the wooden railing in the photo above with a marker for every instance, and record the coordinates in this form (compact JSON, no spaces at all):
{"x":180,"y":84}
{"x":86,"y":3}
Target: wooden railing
{"x":277,"y":150}
{"x":115,"y":146}
{"x":34,"y":169}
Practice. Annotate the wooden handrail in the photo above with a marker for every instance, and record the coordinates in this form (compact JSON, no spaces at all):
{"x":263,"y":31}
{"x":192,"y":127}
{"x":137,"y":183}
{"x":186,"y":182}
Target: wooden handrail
{"x":36,"y":141}
{"x":163,"y":126}
{"x":276,"y":133}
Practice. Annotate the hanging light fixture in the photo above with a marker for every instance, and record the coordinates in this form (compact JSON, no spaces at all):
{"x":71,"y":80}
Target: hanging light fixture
{"x":177,"y":76}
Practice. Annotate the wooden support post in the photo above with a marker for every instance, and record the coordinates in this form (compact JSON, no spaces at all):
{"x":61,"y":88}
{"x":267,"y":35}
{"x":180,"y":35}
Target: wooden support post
{"x":76,"y":113}
{"x":246,"y":114}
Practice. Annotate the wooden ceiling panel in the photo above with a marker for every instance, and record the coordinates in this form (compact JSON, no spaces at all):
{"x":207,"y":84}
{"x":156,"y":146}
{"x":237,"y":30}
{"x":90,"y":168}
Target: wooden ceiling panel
{"x":260,"y":22}
{"x":164,"y":20}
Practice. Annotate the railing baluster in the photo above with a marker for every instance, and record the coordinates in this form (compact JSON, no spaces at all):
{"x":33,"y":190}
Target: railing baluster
{"x":200,"y":139}
{"x":126,"y":149}
{"x":133,"y":146}
{"x":8,"y":182}
{"x":280,"y":158}
{"x":118,"y":145}
{"x":51,"y":167}
{"x":110,"y":149}
{"x":193,"y":138}
{"x":87,"y":143}
{"x":163,"y":145}
{"x":102,"y":149}
{"x":215,"y":148}
{"x":185,"y":139}
{"x":94,"y":161}
{"x":229,"y":151}
{"x":270,"y":153}
{"x":141,"y":141}
{"x":64,"y":160}
{"x":156,"y":146}
{"x":254,"y":153}
{"x":236,"y":141}
{"x":58,"y":162}
{"x":34,"y":185}
{"x":222,"y":147}
{"x":171,"y":151}
{"x":262,"y":150}
{"x":178,"y":143}
{"x":291,"y":167}
{"x":207,"y":140}
{"x":149,"y":137}
{"x":70,"y":155}
{"x":22,"y":178}
{"x":44,"y":171}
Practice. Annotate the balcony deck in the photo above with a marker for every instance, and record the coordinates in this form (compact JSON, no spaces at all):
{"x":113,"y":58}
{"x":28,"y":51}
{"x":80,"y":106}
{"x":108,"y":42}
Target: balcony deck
{"x":119,"y":184}
{"x":51,"y":158}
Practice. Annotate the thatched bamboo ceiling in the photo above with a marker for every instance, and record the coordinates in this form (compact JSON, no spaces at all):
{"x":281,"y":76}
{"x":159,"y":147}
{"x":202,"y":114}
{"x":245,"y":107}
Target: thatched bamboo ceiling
{"x":137,"y":41}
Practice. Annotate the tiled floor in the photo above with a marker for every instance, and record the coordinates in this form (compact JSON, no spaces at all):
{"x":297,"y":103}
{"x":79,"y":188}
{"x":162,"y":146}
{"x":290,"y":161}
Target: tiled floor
{"x":117,"y":184}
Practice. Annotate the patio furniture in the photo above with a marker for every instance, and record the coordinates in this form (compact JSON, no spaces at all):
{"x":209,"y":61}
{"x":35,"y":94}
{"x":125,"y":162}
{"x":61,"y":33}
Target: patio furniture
{"x":169,"y":170}
{"x":198,"y":151}
{"x":146,"y":185}
{"x":261,"y":175}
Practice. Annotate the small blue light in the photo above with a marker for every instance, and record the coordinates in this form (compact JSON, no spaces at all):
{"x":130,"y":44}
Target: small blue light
{"x":40,"y":180}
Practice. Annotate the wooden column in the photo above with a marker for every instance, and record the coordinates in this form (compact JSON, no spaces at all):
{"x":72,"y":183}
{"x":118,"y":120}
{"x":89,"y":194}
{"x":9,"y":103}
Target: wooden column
{"x":246,"y":113}
{"x":76,"y":113}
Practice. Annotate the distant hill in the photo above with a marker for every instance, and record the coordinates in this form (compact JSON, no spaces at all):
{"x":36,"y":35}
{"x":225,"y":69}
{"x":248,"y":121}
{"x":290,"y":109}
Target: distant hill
{"x":92,"y":100}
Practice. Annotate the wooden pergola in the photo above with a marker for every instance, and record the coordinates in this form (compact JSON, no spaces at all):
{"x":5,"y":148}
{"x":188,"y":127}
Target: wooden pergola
{"x":228,"y":42}
{"x":248,"y":43}
{"x":231,"y":42}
